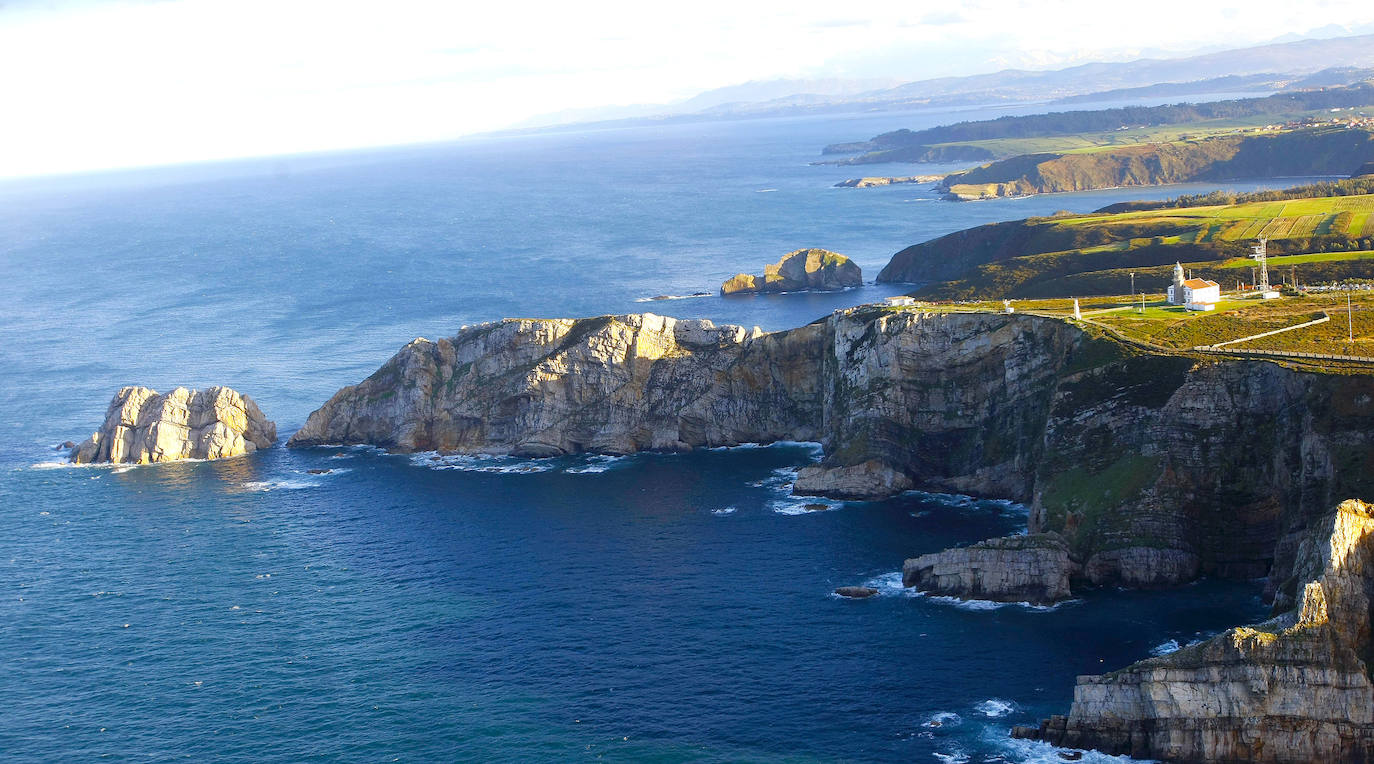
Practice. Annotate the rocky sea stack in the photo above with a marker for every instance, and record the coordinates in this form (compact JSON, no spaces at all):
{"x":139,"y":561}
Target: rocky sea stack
{"x":142,"y":426}
{"x":817,"y":269}
{"x":1035,"y":568}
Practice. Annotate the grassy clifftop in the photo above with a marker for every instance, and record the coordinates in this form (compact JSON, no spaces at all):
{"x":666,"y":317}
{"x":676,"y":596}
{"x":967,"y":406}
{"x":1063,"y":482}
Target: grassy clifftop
{"x":1094,"y":254}
{"x":1311,"y":151}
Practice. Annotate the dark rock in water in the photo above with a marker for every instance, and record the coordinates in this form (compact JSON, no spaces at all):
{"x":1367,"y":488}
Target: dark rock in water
{"x":661,"y":297}
{"x":1071,"y":755}
{"x":815,"y":507}
{"x":701,"y":294}
{"x":856,"y":592}
{"x":67,"y":445}
{"x":1023,"y":732}
{"x":319,"y":472}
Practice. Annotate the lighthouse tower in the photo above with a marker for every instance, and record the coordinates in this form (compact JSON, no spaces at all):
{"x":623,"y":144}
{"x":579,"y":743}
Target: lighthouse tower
{"x":1176,"y":296}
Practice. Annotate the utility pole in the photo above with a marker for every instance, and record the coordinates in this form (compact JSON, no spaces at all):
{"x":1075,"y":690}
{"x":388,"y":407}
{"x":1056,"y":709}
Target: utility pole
{"x":1133,"y":287}
{"x":1349,"y":321}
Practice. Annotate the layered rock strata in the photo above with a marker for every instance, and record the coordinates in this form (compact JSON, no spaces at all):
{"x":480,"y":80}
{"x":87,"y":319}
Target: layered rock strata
{"x":803,"y":269}
{"x":142,"y":426}
{"x":1293,"y":689}
{"x":1033,"y":568}
{"x":1155,"y":469}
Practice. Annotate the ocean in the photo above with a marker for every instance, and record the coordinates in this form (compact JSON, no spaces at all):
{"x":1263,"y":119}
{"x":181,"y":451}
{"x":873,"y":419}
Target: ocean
{"x":666,"y":608}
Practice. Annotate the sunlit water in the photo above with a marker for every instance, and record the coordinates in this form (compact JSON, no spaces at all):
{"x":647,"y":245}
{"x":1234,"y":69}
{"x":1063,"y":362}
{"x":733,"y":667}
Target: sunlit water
{"x":658,"y":607}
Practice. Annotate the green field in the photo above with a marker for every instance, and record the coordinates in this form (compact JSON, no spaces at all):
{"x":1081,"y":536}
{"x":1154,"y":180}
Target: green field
{"x":1300,"y":218}
{"x":1171,"y":327}
{"x":1286,"y":260}
{"x":1086,"y":143}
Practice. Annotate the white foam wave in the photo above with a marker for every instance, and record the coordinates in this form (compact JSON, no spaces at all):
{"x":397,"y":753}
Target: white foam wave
{"x":943,"y":719}
{"x":980,"y":605}
{"x":964,"y":501}
{"x":890,"y":584}
{"x":505,"y":465}
{"x":803,"y":505}
{"x":1172,"y":646}
{"x":995,"y":708}
{"x":279,"y":485}
{"x":764,"y":190}
{"x":725,"y":511}
{"x":1039,"y":752}
{"x":595,"y":464}
{"x":666,"y":297}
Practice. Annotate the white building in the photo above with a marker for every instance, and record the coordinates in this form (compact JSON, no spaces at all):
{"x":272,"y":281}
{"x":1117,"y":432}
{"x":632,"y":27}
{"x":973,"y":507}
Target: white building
{"x":1193,"y":294}
{"x":899,"y":301}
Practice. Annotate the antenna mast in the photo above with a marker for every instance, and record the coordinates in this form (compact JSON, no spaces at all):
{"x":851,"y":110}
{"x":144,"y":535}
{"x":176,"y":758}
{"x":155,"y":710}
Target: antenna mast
{"x":1259,"y":251}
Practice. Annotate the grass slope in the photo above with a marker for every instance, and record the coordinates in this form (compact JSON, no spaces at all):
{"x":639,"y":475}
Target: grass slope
{"x":1309,"y":151}
{"x":1329,"y":237}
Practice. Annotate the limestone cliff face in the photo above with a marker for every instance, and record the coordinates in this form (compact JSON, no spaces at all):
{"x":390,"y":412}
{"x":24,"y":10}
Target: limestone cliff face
{"x":142,"y":426}
{"x":615,"y":384}
{"x":1154,"y":469}
{"x":797,"y":271}
{"x":1293,"y":689}
{"x":1034,"y":568}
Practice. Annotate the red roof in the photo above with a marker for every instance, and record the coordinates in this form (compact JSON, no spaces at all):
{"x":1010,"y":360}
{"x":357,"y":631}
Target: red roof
{"x":1199,"y":283}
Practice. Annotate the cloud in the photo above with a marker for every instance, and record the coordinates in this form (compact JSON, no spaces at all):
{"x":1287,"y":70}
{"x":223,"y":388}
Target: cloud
{"x":97,"y":84}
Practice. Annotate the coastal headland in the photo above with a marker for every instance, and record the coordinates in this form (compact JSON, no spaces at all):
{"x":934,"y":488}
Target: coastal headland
{"x":1141,"y":468}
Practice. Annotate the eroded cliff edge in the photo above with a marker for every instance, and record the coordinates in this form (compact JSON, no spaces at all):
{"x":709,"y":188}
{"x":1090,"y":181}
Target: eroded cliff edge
{"x":1155,"y":469}
{"x":1292,"y":689}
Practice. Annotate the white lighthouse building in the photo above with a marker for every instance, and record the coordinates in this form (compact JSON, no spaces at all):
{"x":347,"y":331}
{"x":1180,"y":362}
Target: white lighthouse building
{"x":1193,"y":294}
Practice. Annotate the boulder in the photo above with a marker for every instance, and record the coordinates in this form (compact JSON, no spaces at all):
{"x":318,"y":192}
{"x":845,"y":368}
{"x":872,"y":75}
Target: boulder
{"x":142,"y":426}
{"x":856,"y":592}
{"x":1034,"y":568}
{"x":803,"y":269}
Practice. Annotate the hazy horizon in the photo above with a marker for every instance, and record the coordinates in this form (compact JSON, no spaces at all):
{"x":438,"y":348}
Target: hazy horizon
{"x":108,"y":85}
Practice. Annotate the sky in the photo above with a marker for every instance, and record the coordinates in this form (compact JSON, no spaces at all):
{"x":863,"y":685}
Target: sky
{"x":96,"y":84}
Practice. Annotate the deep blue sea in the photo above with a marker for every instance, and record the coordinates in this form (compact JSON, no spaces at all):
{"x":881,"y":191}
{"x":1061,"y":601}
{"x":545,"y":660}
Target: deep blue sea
{"x":666,"y":608}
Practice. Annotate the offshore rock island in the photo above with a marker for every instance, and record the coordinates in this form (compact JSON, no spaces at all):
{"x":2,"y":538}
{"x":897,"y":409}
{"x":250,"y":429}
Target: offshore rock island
{"x":1141,"y":469}
{"x":142,"y":427}
{"x":800,"y":270}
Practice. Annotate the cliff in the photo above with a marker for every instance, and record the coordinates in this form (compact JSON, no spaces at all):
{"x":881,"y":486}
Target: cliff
{"x":1293,"y":689}
{"x":1316,"y":151}
{"x":1154,"y":468}
{"x":803,"y":269}
{"x":142,"y":426}
{"x":614,"y":384}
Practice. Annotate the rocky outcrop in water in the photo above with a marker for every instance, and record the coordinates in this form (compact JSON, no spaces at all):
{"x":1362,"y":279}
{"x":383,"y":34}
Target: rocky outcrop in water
{"x":1034,"y":568}
{"x":1293,"y":689}
{"x":875,"y":182}
{"x":142,"y":426}
{"x":804,"y":269}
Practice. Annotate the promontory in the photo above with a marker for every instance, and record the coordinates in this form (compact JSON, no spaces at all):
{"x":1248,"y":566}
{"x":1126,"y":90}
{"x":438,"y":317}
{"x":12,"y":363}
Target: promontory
{"x":1141,"y":469}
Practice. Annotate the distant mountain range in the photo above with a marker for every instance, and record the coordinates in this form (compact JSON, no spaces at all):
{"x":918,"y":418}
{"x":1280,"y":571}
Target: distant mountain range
{"x":1261,"y":68}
